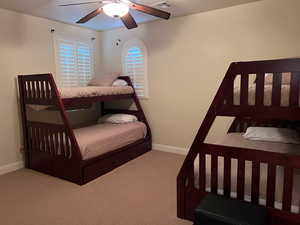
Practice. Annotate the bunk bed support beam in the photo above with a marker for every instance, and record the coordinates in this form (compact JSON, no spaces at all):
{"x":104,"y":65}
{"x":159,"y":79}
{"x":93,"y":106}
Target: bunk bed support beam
{"x":24,"y":120}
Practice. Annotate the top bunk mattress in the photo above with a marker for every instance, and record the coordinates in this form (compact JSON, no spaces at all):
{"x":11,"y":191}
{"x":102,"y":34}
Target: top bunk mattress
{"x":94,"y":91}
{"x":99,"y":139}
{"x":85,"y":92}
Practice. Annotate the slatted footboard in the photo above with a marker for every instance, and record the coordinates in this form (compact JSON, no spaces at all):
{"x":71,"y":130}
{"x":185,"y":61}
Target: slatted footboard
{"x":53,"y":139}
{"x":49,"y":148}
{"x":250,"y":102}
{"x":38,"y":89}
{"x":53,"y":151}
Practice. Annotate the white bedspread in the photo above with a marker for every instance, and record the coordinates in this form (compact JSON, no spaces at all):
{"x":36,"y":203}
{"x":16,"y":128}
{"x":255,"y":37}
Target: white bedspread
{"x":91,"y":91}
{"x":102,"y":138}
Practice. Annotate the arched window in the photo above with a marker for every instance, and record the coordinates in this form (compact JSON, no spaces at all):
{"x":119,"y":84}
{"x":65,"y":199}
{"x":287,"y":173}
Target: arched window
{"x":134,"y":60}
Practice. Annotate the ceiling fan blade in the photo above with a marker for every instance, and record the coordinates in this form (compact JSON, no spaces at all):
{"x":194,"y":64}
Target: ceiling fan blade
{"x":90,"y":16}
{"x":83,"y":3}
{"x":151,"y":11}
{"x":129,"y":21}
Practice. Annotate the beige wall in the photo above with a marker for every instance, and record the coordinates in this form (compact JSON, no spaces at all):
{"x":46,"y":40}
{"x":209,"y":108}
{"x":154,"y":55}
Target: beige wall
{"x":26,"y":47}
{"x":189,"y":56}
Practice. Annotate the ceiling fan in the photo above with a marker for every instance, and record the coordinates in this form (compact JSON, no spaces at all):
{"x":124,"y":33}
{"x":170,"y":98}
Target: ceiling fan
{"x":120,"y":9}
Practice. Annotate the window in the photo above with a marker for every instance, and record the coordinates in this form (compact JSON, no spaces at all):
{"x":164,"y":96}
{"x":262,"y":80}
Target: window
{"x":74,"y":61}
{"x":134,"y":59}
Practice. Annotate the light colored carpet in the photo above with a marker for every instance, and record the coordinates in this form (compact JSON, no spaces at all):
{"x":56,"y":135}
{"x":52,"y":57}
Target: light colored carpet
{"x":142,"y":192}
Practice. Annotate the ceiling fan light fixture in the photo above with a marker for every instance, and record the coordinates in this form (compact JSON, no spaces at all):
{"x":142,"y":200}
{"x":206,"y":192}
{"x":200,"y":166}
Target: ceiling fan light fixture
{"x":116,"y":10}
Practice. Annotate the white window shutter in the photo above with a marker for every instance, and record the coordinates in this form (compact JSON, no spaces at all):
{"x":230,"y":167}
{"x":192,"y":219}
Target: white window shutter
{"x":75,"y":63}
{"x":135,"y":66}
{"x":84,"y":63}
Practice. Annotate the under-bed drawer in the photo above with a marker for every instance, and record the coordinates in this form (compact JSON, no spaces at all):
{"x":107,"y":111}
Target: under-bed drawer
{"x":99,"y":167}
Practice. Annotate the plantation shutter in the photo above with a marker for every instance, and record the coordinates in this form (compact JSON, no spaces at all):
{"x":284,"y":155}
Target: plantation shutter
{"x":74,"y":62}
{"x":134,"y":63}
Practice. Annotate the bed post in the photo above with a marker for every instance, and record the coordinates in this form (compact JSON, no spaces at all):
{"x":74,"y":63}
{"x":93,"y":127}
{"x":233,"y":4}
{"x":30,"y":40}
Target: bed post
{"x":138,"y":105}
{"x":24,"y":120}
{"x":141,"y":111}
{"x":102,"y":108}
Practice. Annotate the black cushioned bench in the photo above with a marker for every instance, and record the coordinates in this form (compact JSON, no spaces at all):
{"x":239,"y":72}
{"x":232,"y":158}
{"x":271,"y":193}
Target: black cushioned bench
{"x":218,"y":210}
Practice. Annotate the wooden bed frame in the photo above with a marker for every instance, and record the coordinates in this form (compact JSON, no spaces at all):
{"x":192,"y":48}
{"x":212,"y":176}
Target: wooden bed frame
{"x":41,"y":140}
{"x":188,"y":196}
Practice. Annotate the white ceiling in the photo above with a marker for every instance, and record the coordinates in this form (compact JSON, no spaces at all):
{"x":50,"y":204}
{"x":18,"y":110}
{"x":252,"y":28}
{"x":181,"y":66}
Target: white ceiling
{"x":50,"y":9}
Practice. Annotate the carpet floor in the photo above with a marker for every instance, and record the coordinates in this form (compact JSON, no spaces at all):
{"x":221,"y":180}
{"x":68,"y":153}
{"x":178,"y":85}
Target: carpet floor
{"x":141,"y":192}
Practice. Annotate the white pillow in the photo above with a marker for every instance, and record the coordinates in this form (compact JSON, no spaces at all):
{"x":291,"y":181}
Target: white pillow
{"x":104,"y":80}
{"x":119,"y":83}
{"x":117,"y":118}
{"x":272,"y":134}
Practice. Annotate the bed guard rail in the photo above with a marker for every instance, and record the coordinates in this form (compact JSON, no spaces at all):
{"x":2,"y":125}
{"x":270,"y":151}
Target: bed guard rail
{"x":53,"y":139}
{"x":38,"y":89}
{"x":261,"y":88}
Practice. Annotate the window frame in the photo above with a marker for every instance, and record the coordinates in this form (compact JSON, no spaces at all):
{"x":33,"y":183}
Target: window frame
{"x":85,"y":41}
{"x":140,"y":44}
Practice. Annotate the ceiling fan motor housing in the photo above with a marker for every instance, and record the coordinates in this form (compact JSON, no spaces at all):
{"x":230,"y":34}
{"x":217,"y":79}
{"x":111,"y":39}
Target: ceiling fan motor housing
{"x":120,"y":9}
{"x":115,"y":10}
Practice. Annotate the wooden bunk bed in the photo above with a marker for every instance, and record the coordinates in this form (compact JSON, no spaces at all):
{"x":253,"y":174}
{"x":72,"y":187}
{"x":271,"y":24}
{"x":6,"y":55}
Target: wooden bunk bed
{"x":190,"y":193}
{"x":42,"y":141}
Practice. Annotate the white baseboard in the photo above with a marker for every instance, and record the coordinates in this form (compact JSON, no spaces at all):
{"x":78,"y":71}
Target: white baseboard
{"x":171,"y":149}
{"x":164,"y":148}
{"x":11,"y":167}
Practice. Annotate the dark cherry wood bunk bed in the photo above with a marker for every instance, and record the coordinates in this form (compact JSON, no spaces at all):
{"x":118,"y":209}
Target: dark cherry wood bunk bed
{"x":43,"y":151}
{"x":258,"y":114}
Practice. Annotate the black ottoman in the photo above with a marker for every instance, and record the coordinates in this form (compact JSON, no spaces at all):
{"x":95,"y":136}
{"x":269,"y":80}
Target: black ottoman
{"x":217,"y":210}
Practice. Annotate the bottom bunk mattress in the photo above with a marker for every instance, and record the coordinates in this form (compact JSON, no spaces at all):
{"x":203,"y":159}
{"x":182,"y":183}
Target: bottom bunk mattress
{"x":102,"y":138}
{"x":237,"y":140}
